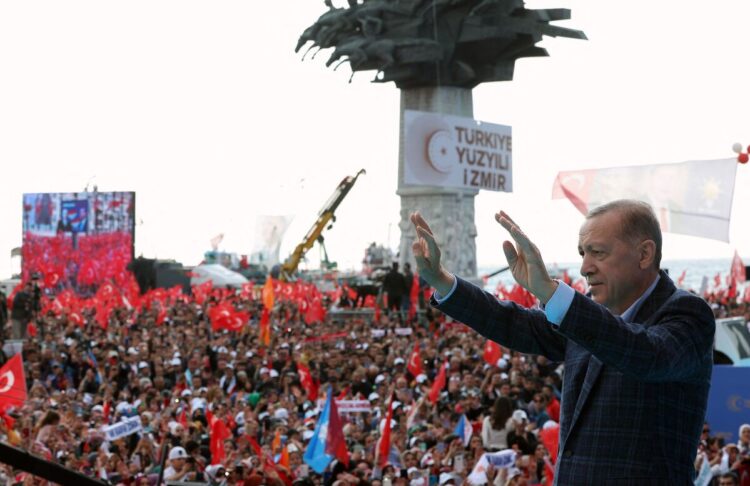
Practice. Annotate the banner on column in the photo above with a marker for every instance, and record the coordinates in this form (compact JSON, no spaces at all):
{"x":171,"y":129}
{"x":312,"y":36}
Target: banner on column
{"x":453,"y":151}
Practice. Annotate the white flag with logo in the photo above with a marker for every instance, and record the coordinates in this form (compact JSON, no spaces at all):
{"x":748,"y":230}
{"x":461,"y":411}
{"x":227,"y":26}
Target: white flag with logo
{"x":500,"y":460}
{"x":690,"y":198}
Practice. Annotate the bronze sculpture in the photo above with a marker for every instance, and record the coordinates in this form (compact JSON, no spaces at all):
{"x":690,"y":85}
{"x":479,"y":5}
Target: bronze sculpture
{"x":421,"y":43}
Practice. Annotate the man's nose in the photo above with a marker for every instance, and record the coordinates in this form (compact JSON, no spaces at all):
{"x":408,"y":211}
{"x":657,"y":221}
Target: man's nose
{"x":587,"y":267}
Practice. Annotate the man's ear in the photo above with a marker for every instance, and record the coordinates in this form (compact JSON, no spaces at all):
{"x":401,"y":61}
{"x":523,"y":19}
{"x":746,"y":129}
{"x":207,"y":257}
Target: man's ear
{"x":647,"y":253}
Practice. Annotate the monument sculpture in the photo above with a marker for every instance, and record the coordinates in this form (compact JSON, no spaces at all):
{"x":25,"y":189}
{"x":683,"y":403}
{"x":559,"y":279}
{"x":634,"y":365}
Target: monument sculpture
{"x":435,"y":51}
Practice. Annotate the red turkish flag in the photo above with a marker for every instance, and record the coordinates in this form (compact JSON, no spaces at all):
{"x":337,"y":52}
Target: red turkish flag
{"x":681,"y":278}
{"x":265,"y":327}
{"x":738,"y":268}
{"x":106,"y":409}
{"x":550,"y":438}
{"x":221,"y":315}
{"x":384,"y":446}
{"x":247,"y":290}
{"x":492,"y":352}
{"x":76,"y":318}
{"x":335,"y":442}
{"x":219,"y":433}
{"x":415,"y":362}
{"x":161,"y":316}
{"x":306,"y":380}
{"x":413,"y":297}
{"x":12,"y":384}
{"x":579,"y":286}
{"x":238,"y":321}
{"x":437,"y":387}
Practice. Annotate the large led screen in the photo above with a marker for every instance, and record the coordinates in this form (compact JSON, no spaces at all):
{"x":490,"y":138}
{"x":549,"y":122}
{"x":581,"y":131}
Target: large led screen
{"x":78,"y":240}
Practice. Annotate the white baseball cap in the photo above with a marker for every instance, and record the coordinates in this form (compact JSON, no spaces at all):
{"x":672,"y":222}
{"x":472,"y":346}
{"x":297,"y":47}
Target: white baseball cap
{"x":520,"y":416}
{"x":177,"y":453}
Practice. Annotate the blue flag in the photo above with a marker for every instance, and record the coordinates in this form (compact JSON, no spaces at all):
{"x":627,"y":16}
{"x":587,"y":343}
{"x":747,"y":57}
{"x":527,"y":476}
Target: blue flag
{"x":315,"y":454}
{"x":464,"y":430}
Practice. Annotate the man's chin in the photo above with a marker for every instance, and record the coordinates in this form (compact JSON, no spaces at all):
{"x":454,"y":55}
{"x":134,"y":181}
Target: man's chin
{"x":597,"y":297}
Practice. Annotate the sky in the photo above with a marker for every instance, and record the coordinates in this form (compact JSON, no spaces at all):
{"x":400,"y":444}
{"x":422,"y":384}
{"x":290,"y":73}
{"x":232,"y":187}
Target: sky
{"x":207,"y":113}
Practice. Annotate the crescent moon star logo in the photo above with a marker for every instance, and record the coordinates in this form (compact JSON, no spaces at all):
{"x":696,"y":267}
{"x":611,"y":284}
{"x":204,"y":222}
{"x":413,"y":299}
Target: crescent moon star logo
{"x":574,"y":181}
{"x":734,"y":403}
{"x":9,"y":379}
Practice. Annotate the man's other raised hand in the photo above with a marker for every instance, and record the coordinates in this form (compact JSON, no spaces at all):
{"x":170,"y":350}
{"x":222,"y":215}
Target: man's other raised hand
{"x":525,"y":261}
{"x":427,"y":254}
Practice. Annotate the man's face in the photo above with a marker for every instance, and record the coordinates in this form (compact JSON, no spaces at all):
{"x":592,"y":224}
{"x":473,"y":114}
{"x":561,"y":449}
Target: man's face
{"x":727,"y":482}
{"x":615,"y":271}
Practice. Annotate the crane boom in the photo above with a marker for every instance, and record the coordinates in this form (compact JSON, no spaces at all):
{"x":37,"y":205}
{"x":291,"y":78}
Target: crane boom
{"x":325,"y":216}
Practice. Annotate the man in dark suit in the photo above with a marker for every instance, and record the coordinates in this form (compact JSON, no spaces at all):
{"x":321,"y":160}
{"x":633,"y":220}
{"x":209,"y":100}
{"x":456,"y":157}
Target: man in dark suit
{"x":394,"y":287}
{"x":637,"y":351}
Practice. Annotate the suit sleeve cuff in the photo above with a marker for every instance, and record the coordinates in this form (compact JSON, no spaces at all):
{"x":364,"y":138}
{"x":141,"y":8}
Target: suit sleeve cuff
{"x":559,"y":303}
{"x":440,"y":299}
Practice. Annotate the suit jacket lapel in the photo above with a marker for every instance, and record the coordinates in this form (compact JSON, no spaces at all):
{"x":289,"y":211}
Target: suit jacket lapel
{"x":661,"y":292}
{"x":592,"y":373}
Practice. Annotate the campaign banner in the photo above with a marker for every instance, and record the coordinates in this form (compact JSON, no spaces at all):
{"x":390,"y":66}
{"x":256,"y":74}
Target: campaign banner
{"x":728,"y":401}
{"x":690,"y":198}
{"x":352,"y":406}
{"x":378,"y":333}
{"x":326,"y":337}
{"x":128,"y":426}
{"x":453,"y":151}
{"x":403,"y":331}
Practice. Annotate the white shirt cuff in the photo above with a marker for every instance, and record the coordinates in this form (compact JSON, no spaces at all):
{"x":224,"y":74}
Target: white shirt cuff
{"x":559,"y":303}
{"x":440,"y":299}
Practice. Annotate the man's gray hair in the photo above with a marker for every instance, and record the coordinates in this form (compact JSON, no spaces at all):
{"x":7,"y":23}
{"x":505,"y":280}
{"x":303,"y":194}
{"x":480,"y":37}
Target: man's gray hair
{"x":638,"y":222}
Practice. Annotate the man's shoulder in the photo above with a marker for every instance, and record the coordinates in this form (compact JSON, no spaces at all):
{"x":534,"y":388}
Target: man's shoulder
{"x":685,"y":297}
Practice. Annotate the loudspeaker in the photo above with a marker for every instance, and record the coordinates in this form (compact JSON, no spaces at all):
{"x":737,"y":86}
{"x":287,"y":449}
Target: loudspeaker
{"x":144,"y":273}
{"x":169,"y":274}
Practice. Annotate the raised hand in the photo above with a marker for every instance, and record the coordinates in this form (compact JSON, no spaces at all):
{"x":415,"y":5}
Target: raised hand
{"x":525,"y":261}
{"x":427,"y":255}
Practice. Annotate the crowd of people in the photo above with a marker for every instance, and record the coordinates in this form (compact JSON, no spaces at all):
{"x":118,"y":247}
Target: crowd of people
{"x":228,"y":405}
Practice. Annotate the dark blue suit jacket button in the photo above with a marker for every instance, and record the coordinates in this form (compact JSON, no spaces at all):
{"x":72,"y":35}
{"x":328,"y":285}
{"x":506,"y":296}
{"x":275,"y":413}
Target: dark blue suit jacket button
{"x":567,"y":453}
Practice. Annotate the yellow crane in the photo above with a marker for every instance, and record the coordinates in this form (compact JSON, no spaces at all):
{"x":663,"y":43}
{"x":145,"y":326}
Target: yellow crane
{"x":325,"y":220}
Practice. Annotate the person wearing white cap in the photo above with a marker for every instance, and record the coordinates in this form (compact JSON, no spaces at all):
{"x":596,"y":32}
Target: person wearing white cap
{"x":447,"y":478}
{"x":216,"y":474}
{"x":744,"y":440}
{"x":178,"y":465}
{"x":521,"y":435}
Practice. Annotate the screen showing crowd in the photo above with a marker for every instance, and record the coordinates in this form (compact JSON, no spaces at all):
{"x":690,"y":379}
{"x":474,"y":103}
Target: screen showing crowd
{"x":77,"y":240}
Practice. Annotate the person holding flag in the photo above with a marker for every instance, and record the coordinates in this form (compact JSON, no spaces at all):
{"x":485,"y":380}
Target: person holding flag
{"x":635,"y":347}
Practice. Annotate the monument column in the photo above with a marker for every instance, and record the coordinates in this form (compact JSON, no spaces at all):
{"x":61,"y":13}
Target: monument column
{"x":449,"y":211}
{"x":435,"y":52}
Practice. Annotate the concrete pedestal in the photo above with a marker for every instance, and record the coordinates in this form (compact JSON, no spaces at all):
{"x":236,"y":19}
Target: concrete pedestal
{"x":449,"y":211}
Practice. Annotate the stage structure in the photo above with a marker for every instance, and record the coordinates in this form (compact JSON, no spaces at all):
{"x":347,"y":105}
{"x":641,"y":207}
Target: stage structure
{"x":436,"y":51}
